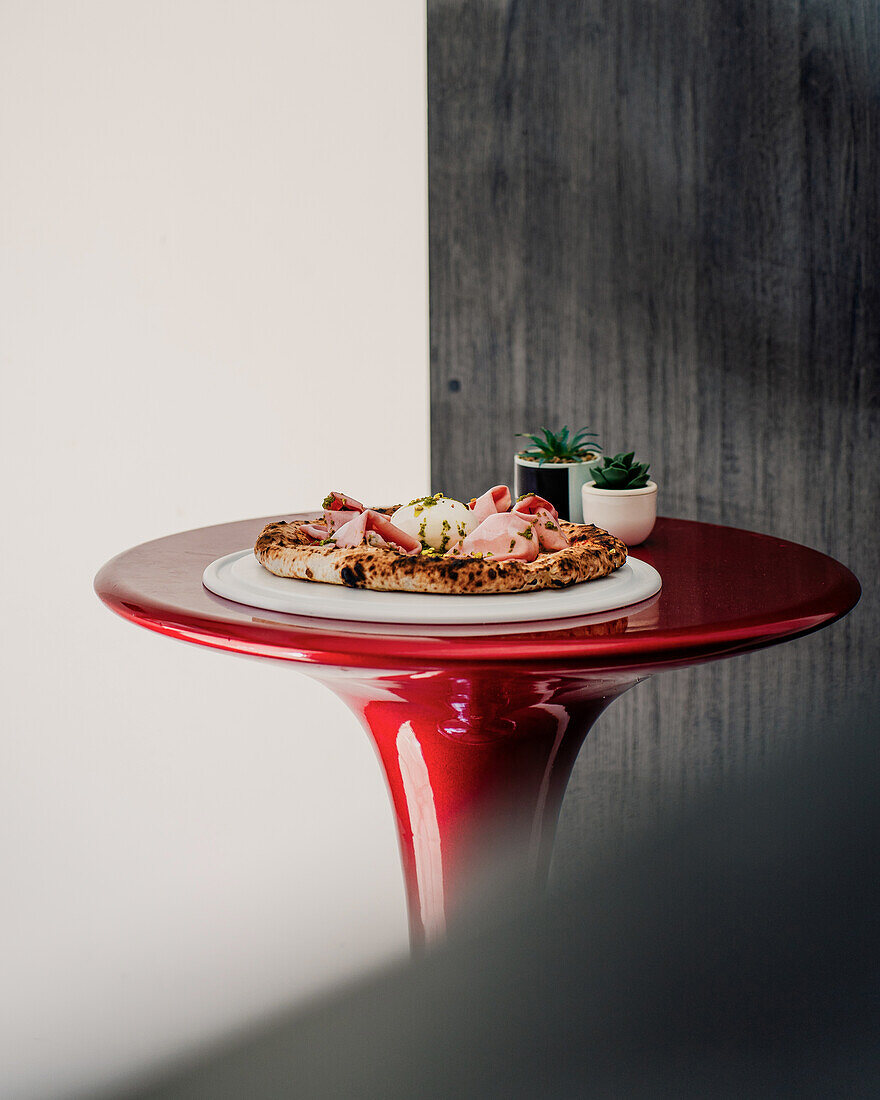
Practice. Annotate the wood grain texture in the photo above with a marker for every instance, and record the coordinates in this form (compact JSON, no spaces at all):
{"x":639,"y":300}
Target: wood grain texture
{"x":661,"y":220}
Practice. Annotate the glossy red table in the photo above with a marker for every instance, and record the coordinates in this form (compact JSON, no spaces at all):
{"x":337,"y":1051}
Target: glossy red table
{"x":477,"y":733}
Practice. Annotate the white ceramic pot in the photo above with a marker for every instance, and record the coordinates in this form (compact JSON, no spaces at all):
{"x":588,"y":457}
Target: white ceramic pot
{"x":558,"y":482}
{"x":629,"y":514}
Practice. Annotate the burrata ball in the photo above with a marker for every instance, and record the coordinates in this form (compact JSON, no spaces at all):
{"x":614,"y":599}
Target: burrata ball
{"x":438,"y":521}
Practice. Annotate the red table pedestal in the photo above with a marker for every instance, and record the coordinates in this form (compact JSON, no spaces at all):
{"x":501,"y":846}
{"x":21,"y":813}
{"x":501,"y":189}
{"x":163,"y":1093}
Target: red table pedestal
{"x":477,"y":761}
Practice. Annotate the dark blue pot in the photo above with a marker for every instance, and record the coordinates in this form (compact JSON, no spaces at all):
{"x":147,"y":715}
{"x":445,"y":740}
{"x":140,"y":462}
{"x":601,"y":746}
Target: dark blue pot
{"x":558,"y":482}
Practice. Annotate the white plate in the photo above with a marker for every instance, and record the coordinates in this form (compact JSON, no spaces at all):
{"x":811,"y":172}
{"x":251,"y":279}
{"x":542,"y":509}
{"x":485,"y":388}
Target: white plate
{"x":241,"y":578}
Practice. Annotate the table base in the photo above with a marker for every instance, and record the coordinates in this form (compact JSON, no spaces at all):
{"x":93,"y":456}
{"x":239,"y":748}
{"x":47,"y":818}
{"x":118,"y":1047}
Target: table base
{"x":477,"y":760}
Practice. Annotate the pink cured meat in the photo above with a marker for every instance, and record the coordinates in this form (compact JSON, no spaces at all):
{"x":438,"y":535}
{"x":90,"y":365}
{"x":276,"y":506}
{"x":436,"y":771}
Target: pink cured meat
{"x":498,"y":499}
{"x":546,"y":521}
{"x":339,"y":502}
{"x":317,"y":531}
{"x":334,"y":518}
{"x":339,"y":511}
{"x":332,"y":521}
{"x":373,"y":529}
{"x":531,"y":504}
{"x":507,"y":536}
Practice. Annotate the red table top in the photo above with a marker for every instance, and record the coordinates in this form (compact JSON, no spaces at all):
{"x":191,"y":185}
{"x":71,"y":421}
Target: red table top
{"x":724,"y":591}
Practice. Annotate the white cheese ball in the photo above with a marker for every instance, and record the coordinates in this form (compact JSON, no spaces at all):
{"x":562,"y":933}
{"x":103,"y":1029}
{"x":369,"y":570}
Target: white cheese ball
{"x":438,"y":521}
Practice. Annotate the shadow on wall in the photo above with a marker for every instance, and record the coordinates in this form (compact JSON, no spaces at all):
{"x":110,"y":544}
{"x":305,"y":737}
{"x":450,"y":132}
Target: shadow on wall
{"x":733,"y":953}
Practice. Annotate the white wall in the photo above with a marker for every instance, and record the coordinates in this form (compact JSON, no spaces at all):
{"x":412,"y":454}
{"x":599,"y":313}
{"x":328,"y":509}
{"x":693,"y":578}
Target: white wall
{"x":212,"y":306}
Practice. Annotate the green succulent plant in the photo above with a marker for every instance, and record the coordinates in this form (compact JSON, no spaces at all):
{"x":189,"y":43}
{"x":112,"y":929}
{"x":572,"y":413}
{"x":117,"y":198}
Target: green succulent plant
{"x":621,"y":472}
{"x":560,"y":446}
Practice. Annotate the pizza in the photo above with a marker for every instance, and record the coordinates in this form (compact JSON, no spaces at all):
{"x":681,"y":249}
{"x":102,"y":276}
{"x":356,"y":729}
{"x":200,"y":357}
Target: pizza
{"x":441,"y":546}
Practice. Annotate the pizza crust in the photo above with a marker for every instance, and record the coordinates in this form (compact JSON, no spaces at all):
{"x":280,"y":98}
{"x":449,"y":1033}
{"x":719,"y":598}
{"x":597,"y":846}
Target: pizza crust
{"x":285,"y":551}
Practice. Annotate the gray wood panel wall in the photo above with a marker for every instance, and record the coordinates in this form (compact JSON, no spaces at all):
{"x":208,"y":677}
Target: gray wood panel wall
{"x":660,"y":219}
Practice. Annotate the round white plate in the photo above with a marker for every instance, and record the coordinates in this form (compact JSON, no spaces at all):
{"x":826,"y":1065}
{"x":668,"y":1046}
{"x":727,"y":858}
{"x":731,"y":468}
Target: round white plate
{"x":241,"y":578}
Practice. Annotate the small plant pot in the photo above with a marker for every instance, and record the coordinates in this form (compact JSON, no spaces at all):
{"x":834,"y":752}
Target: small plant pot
{"x":558,"y":482}
{"x":630,"y":514}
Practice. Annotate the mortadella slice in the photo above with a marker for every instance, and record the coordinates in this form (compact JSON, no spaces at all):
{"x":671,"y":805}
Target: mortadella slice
{"x":506,"y":536}
{"x":373,"y":529}
{"x":546,"y":519}
{"x":498,"y":499}
{"x":339,"y":502}
{"x":531,"y":504}
{"x":317,"y":531}
{"x":338,"y":510}
{"x":334,"y":518}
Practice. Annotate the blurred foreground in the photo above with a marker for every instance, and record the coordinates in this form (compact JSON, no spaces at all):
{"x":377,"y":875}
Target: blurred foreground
{"x":733,"y":954}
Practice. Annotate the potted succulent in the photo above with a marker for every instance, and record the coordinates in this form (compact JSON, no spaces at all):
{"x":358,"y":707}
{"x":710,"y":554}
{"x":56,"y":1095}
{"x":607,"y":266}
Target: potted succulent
{"x":621,"y":499}
{"x":555,"y":466}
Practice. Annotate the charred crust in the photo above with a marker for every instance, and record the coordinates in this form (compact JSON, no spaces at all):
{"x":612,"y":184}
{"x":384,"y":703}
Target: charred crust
{"x":353,"y":575}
